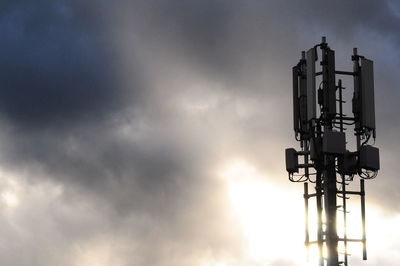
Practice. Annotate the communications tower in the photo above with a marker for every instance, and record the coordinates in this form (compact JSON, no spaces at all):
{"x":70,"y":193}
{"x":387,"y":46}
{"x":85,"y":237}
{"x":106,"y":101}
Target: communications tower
{"x":325,"y":158}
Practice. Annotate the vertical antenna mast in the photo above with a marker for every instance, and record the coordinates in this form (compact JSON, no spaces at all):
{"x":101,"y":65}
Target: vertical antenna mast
{"x":321,"y":133}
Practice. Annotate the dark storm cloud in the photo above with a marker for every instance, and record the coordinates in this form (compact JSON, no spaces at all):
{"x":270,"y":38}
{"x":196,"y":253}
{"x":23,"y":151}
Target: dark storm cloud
{"x":63,"y":109}
{"x":58,"y":57}
{"x":94,"y":95}
{"x":57,"y":63}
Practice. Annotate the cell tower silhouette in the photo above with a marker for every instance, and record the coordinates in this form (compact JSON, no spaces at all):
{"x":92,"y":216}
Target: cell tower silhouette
{"x":327,"y":163}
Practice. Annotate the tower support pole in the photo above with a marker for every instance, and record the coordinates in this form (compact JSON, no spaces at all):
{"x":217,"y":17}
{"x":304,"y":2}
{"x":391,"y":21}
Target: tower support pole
{"x":330,"y":211}
{"x":320,"y":239}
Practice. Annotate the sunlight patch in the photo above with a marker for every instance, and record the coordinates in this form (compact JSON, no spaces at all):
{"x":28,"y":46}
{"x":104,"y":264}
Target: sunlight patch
{"x":270,"y":216}
{"x":9,"y":199}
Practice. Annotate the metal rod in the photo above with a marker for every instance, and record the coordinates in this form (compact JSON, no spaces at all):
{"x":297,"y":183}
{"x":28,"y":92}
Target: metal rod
{"x":349,"y":192}
{"x":348,"y":118}
{"x":344,"y":219}
{"x":307,"y":235}
{"x":343,"y":177}
{"x":302,"y":152}
{"x":330,"y":210}
{"x":341,"y":105}
{"x":364,"y":235}
{"x":305,"y":165}
{"x":313,"y":242}
{"x":312,"y":195}
{"x":320,"y":240}
{"x":329,"y":173}
{"x":349,"y":73}
{"x":351,"y":240}
{"x":356,"y":70}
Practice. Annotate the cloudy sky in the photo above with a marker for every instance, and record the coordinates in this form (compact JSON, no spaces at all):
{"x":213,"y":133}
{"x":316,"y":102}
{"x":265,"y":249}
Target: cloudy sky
{"x":152,"y":133}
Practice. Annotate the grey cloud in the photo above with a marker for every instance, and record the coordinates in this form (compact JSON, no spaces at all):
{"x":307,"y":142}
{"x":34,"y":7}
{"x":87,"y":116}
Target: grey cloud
{"x":57,"y":65}
{"x":108,"y":101}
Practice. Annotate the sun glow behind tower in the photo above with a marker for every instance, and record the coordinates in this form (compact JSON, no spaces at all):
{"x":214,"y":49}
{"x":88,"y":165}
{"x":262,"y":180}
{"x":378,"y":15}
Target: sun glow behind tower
{"x":271,"y":219}
{"x":252,"y":197}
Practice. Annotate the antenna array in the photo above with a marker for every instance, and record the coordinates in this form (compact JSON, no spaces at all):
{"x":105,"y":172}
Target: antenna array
{"x":320,"y":126}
